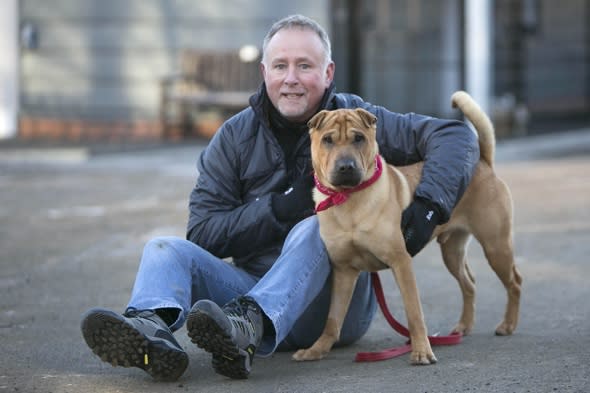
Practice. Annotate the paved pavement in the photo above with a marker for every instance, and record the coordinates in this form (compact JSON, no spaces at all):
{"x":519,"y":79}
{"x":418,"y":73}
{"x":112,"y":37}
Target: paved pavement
{"x":73,"y":223}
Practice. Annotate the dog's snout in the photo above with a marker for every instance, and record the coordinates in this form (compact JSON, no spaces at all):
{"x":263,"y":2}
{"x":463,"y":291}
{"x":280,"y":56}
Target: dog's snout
{"x":345,"y":165}
{"x":346,"y":172}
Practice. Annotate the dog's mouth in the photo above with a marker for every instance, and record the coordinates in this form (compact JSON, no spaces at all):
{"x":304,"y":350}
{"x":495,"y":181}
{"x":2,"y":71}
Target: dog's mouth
{"x":340,"y":181}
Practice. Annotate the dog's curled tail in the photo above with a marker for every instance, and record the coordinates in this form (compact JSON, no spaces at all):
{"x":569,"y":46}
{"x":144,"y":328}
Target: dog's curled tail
{"x":481,"y":122}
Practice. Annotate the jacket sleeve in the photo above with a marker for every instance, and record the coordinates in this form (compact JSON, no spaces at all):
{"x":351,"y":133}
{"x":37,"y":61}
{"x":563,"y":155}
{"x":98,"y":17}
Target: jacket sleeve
{"x":220,"y":220}
{"x":449,"y":149}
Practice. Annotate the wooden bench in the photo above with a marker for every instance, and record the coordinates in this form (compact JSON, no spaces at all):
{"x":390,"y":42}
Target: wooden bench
{"x":208,"y":81}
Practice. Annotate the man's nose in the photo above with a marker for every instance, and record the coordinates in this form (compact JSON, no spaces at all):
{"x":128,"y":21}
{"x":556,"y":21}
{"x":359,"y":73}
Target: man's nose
{"x":291,"y":77}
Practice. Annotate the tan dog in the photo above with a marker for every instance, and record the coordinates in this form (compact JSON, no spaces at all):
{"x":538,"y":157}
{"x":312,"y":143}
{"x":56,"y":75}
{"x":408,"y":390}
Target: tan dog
{"x":364,"y":233}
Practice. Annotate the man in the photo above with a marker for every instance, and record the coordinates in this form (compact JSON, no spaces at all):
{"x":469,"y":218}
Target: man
{"x":252,"y":202}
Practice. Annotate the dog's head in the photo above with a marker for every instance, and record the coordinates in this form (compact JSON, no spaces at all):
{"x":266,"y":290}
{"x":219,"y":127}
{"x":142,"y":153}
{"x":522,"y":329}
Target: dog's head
{"x":343,"y":146}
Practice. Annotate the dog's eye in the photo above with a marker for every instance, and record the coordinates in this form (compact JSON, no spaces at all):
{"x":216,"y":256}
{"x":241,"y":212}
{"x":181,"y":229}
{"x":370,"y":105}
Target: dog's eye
{"x":358,"y":138}
{"x":327,"y":140}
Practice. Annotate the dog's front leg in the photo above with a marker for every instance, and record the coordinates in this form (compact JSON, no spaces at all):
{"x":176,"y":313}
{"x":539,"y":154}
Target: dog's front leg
{"x":343,"y":282}
{"x":406,"y":281}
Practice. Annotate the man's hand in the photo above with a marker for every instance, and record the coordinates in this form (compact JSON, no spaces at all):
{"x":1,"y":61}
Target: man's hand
{"x":297,"y":202}
{"x":418,"y":222}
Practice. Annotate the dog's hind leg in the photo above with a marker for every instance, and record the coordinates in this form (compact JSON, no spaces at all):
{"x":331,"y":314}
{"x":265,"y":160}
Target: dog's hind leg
{"x":499,"y":253}
{"x":453,"y":247}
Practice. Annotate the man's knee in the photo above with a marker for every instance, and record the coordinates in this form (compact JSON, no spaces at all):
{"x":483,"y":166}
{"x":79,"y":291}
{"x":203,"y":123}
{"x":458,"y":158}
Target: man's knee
{"x":166,"y":250}
{"x":163,"y":242}
{"x":306,"y":233}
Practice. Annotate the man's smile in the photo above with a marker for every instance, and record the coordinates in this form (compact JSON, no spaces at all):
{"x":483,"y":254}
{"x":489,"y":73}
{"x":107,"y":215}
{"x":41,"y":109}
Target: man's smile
{"x":292,"y":95}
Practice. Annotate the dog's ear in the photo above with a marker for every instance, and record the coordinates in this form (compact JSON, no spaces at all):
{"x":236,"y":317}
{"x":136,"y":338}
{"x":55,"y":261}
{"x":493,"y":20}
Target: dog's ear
{"x":316,"y":121}
{"x":367,"y":117}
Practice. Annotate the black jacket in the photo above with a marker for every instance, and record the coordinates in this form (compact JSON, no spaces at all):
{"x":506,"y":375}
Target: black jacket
{"x":243,"y":165}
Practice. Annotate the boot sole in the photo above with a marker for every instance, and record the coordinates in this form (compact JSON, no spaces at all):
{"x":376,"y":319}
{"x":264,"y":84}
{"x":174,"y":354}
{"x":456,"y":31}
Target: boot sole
{"x":116,"y":342}
{"x":228,"y":359}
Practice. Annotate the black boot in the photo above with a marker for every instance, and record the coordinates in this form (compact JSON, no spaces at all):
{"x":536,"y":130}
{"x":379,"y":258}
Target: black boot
{"x":231,"y":333}
{"x":138,"y":338}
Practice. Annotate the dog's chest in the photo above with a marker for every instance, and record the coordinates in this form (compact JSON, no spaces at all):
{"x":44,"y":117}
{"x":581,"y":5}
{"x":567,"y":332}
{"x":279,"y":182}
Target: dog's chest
{"x":354,"y":247}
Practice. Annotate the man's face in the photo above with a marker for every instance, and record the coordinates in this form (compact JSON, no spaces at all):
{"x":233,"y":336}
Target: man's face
{"x":295,"y":73}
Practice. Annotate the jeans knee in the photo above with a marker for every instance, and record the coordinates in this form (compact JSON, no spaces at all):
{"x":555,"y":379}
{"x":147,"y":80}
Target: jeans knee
{"x":161,"y":242}
{"x":305,"y":234}
{"x":164,"y":249}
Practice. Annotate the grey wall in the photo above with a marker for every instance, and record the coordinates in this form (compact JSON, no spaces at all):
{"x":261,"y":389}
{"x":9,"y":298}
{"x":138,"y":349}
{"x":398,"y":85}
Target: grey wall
{"x":413,"y":52}
{"x":103,"y":59}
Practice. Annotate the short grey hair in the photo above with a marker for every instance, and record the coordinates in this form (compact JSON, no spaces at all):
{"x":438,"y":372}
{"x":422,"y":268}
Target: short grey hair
{"x":304,"y":23}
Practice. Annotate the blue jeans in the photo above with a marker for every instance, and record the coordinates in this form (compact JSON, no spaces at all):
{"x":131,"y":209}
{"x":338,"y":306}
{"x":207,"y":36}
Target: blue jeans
{"x":294,"y":294}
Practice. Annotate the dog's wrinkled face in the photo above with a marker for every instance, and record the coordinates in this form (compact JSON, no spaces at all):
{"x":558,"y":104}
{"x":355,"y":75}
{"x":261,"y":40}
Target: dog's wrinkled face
{"x":343,"y":146}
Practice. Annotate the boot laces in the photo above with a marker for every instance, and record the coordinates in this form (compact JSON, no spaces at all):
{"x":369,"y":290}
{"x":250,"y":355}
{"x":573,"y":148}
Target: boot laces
{"x":238,"y":312}
{"x":135,"y":313}
{"x":143,"y":315}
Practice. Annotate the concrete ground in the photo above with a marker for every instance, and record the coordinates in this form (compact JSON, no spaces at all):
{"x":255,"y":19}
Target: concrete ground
{"x":73,"y":223}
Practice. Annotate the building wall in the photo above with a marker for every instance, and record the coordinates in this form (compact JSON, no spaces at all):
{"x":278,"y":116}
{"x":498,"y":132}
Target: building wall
{"x":103,"y":59}
{"x":413,"y":58}
{"x":412,"y":54}
{"x":542,"y":52}
{"x":559,"y":56}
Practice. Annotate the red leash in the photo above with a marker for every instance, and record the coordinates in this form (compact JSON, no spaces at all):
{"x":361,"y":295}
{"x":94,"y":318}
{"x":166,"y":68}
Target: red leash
{"x":452,"y":339}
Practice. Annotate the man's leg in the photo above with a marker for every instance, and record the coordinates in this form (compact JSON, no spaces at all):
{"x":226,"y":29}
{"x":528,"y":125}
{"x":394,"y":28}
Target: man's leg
{"x":234,"y":333}
{"x":295,"y":294}
{"x":310,"y":325}
{"x":173,"y":273}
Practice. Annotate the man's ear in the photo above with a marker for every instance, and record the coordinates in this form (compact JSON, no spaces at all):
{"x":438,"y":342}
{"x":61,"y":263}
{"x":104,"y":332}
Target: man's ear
{"x":316,"y":121}
{"x":262,"y":69}
{"x":330,"y":70}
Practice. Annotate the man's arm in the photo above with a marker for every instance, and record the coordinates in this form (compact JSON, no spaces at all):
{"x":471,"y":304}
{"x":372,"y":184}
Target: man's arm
{"x":220,"y":221}
{"x":448,"y":148}
{"x":450,"y":152}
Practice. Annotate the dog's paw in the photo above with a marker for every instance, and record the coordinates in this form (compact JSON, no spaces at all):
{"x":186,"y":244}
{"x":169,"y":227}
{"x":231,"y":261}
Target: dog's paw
{"x":505,"y":329}
{"x":421,"y":358}
{"x":307,"y":354}
{"x":462,"y":328}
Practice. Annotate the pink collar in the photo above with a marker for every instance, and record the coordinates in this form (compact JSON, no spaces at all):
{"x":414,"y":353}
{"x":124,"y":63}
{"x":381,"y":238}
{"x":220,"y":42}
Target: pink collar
{"x":339,"y":197}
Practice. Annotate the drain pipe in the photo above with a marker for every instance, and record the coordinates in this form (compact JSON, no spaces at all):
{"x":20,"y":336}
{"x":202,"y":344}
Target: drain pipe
{"x":478,"y":51}
{"x":9,"y":68}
